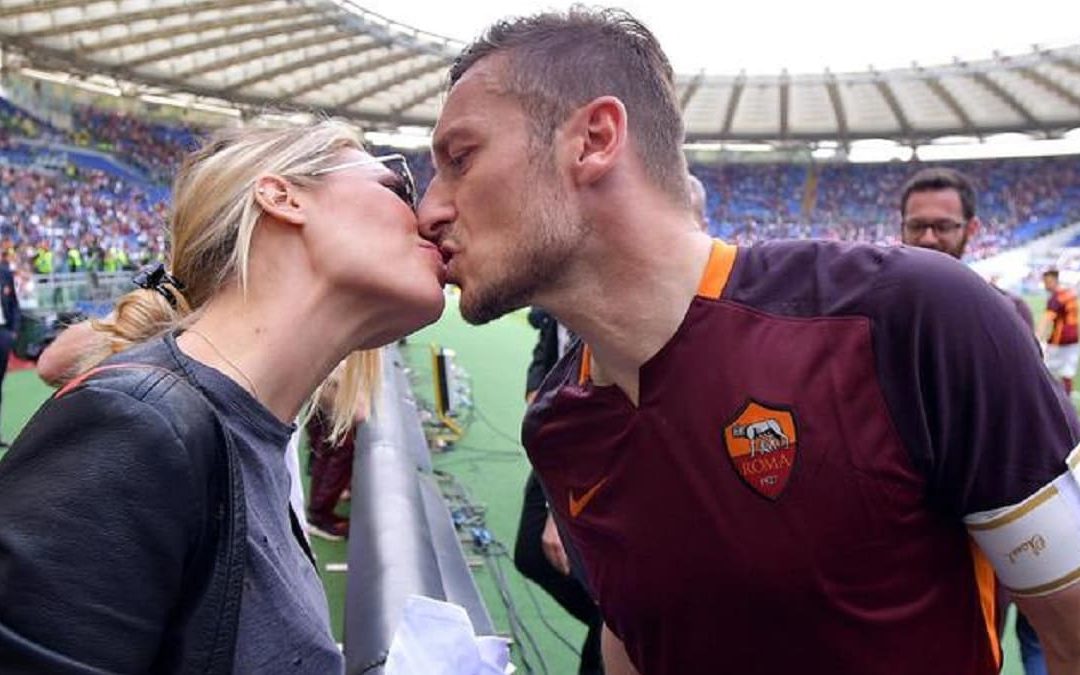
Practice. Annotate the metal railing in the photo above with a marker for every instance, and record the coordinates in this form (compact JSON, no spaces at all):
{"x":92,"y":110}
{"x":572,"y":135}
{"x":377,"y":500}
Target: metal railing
{"x":66,"y":291}
{"x":402,"y":540}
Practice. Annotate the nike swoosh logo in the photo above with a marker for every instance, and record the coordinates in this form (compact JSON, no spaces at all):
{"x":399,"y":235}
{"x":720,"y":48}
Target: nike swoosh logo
{"x":578,"y":505}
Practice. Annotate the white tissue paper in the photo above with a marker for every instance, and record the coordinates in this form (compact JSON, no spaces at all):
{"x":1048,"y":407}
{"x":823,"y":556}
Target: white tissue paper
{"x":437,"y":638}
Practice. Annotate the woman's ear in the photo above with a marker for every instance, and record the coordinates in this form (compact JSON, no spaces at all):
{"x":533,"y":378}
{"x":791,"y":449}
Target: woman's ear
{"x":278,"y":198}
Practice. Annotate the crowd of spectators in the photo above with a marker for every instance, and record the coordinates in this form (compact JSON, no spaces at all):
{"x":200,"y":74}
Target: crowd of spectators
{"x":17,"y":123}
{"x":64,"y":207}
{"x":151,"y":147}
{"x":1018,"y":200}
{"x":76,"y":220}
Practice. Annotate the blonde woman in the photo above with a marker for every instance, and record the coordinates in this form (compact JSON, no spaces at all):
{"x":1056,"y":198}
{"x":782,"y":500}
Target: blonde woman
{"x":144,"y":517}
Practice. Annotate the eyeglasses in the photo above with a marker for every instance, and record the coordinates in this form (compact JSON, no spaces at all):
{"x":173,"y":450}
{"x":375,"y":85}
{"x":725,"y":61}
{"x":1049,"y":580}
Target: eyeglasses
{"x":404,"y":187}
{"x":942,"y":228}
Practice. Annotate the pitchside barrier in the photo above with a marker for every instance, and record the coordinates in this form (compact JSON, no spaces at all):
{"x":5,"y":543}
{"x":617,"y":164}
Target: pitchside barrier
{"x":401,"y":537}
{"x":65,"y":291}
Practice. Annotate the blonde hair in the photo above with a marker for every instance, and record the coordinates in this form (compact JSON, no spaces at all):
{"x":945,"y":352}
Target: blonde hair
{"x":337,"y":393}
{"x":213,"y":217}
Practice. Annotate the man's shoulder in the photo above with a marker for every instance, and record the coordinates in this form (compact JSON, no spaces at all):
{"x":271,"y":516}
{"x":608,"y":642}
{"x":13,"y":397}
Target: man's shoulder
{"x":1021,"y":305}
{"x":149,"y":377}
{"x":824,"y":278}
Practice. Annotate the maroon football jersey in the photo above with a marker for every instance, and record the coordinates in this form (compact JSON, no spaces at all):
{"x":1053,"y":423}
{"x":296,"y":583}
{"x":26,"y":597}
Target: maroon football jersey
{"x":787,"y":496}
{"x":1063,"y":305}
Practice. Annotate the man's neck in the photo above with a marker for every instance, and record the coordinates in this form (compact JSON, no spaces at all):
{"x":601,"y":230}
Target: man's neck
{"x":629,"y":296}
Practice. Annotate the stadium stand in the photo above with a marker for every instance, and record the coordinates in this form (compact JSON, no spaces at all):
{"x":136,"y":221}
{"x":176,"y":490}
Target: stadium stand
{"x":1019,"y":199}
{"x":153,"y":147}
{"x":100,"y":202}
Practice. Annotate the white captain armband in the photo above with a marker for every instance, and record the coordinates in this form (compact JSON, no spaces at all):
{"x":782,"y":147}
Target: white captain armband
{"x":1034,"y":546}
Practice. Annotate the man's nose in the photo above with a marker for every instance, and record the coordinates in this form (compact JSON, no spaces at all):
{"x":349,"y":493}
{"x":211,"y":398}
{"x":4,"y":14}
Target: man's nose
{"x":435,"y":212}
{"x":928,"y":238}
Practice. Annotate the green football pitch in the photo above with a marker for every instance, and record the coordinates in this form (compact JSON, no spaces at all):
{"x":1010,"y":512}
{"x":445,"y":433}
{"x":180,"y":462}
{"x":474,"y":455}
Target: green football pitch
{"x":488,"y":461}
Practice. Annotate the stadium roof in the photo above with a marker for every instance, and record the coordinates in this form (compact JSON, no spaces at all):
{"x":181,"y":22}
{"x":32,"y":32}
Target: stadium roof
{"x":333,"y":56}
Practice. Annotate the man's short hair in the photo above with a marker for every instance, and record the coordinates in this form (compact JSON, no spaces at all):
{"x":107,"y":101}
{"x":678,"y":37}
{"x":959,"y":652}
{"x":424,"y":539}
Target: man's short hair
{"x":1052,"y":273}
{"x":557,"y":62}
{"x":941,"y":179}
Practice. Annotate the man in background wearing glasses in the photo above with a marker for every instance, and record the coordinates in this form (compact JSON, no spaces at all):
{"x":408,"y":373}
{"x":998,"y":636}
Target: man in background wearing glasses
{"x":937,"y":208}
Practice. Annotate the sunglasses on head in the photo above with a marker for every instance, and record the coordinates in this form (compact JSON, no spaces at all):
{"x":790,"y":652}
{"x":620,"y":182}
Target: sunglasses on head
{"x":404,"y":187}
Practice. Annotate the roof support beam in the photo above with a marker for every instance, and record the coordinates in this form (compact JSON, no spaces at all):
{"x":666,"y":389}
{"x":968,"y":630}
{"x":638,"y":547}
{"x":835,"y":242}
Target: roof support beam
{"x":1009,"y":100}
{"x":425,"y":94}
{"x":292,"y":67}
{"x":346,"y":73}
{"x":1067,"y":64}
{"x":228,"y":39}
{"x":1045,"y":82}
{"x":145,"y":15}
{"x":35,"y":7}
{"x":950,"y":101}
{"x":47,"y":57}
{"x":294,"y":46}
{"x":785,"y":103}
{"x":733,"y":104}
{"x":418,"y":71}
{"x":887,"y":93}
{"x":691,"y":89}
{"x":248,"y":18}
{"x":838,"y":108}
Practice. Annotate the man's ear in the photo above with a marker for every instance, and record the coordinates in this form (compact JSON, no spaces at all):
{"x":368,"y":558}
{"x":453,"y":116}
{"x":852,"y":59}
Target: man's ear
{"x":278,"y":198}
{"x":598,"y":131}
{"x":972,"y":227}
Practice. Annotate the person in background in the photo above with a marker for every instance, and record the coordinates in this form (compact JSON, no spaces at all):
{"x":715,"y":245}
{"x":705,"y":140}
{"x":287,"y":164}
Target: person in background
{"x":331,"y":462}
{"x":937,"y":212}
{"x":539,"y":553}
{"x":1058,"y":328}
{"x":10,"y":316}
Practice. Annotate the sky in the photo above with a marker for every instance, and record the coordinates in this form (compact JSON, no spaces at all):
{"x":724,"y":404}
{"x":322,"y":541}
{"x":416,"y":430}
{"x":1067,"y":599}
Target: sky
{"x":806,"y":36}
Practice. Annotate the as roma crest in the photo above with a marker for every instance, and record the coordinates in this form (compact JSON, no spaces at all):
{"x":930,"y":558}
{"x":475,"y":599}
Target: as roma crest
{"x":762,"y":444}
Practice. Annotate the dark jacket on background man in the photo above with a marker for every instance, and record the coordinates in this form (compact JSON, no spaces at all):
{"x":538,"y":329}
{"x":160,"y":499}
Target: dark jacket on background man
{"x":9,"y":300}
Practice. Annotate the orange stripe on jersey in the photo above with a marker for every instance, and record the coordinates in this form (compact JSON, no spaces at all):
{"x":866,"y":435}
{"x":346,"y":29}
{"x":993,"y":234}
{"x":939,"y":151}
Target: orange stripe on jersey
{"x":987,"y":584}
{"x":586,"y":369}
{"x":713,"y":281}
{"x":717,"y":270}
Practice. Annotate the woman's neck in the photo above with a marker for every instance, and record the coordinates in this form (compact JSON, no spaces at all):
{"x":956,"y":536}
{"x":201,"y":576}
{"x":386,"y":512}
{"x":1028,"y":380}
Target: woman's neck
{"x":280,"y":360}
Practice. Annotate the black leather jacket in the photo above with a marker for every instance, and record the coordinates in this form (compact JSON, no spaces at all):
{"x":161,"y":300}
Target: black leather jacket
{"x":122,"y":527}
